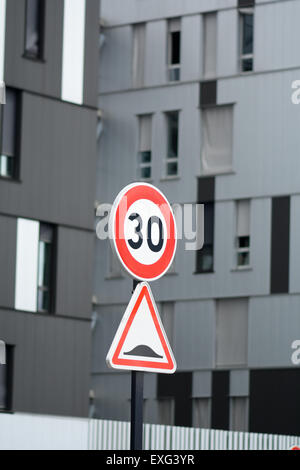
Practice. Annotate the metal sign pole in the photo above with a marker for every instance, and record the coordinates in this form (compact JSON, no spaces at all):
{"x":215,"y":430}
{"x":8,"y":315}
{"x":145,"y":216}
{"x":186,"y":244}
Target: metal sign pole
{"x":137,"y":402}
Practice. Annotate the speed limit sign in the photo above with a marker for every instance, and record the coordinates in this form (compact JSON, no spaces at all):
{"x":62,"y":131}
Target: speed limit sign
{"x":142,"y":231}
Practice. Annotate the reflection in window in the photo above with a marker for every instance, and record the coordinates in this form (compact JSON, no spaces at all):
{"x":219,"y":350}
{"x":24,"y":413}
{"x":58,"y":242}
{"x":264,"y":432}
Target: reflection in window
{"x":34,"y":28}
{"x":172,"y":148}
{"x":45,"y":267}
{"x":246,"y":39}
{"x":205,"y":256}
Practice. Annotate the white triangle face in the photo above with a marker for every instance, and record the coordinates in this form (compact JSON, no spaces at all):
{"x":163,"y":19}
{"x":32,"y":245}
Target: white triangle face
{"x":141,"y":342}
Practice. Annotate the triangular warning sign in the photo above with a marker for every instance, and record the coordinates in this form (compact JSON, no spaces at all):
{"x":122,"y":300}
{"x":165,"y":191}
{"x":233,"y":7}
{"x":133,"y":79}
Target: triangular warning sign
{"x":141,"y":342}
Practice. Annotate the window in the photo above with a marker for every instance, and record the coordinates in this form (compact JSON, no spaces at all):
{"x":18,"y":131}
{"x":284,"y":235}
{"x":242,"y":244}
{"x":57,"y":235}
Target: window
{"x":205,"y":256}
{"x":139,"y":37}
{"x":174,"y":44}
{"x":246,"y":39}
{"x":10,"y":135}
{"x":231,"y":332}
{"x":209,"y":45}
{"x":35,"y":264}
{"x":243,"y":233}
{"x":217,"y":133}
{"x":172,"y":145}
{"x":206,"y":196}
{"x":34,"y":29}
{"x":145,"y":146}
{"x":45,"y":267}
{"x":6,"y":372}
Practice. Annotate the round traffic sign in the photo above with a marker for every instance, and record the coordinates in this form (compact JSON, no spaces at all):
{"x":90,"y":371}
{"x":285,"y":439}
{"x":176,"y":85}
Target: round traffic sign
{"x":142,"y":231}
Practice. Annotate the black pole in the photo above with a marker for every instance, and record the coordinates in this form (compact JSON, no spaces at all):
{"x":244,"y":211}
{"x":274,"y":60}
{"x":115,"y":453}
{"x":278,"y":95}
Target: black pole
{"x":137,"y":401}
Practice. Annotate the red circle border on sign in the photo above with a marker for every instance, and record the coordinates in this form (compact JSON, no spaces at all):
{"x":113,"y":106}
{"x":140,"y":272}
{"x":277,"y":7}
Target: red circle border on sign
{"x":139,"y":270}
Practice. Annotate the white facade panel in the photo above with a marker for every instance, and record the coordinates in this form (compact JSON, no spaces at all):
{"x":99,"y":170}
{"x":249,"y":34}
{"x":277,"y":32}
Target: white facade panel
{"x":156,"y":53}
{"x":73,"y":51}
{"x":27,"y":265}
{"x":227,"y":42}
{"x":191,"y":48}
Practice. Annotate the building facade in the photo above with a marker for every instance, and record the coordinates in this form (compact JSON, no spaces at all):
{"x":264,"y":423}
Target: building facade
{"x":196,"y":99}
{"x":49,"y":63}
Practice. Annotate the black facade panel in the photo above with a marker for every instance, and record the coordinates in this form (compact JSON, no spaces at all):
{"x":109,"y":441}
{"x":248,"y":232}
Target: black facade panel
{"x":51,"y":363}
{"x":91,"y":61}
{"x":206,"y":190}
{"x":208,"y":93}
{"x":179,"y":387}
{"x":40,"y":76}
{"x":57,"y":164}
{"x":274,"y":401}
{"x":220,"y":400}
{"x":8,"y":227}
{"x":74,"y":272}
{"x":280,"y":245}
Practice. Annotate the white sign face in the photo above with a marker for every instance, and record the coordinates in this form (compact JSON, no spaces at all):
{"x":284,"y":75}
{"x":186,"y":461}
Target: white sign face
{"x":143,"y":231}
{"x":141,"y":342}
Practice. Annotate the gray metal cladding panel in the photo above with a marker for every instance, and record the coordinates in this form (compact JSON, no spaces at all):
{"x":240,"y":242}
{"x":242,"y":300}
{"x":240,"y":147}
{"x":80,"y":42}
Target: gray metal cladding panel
{"x":7,"y":261}
{"x":51,"y":363}
{"x":112,"y":392}
{"x":57,"y":159}
{"x":274,"y":324}
{"x":74,"y":272}
{"x":91,"y":53}
{"x":40,"y":76}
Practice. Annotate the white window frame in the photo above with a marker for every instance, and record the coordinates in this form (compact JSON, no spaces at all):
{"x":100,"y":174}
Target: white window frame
{"x":243,"y":57}
{"x":238,"y":249}
{"x":140,"y":164}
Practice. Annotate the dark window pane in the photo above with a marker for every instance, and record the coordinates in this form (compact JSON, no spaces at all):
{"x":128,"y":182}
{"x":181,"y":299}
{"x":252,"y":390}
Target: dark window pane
{"x":244,"y":242}
{"x":43,"y":300}
{"x":45,"y":267}
{"x":172,"y":135}
{"x":247,"y":65}
{"x":175,"y":47}
{"x":205,"y":259}
{"x":6,"y":380}
{"x":3,"y":386}
{"x":9,"y":133}
{"x":34,"y":27}
{"x":205,"y":256}
{"x":172,"y":169}
{"x":46,"y":233}
{"x":146,"y":172}
{"x":247,"y":34}
{"x":174,"y":74}
{"x":145,"y":157}
{"x":243,"y":259}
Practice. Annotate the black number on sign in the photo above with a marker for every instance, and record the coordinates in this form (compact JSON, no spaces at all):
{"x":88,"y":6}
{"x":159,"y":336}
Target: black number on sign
{"x":136,"y":245}
{"x":158,"y":247}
